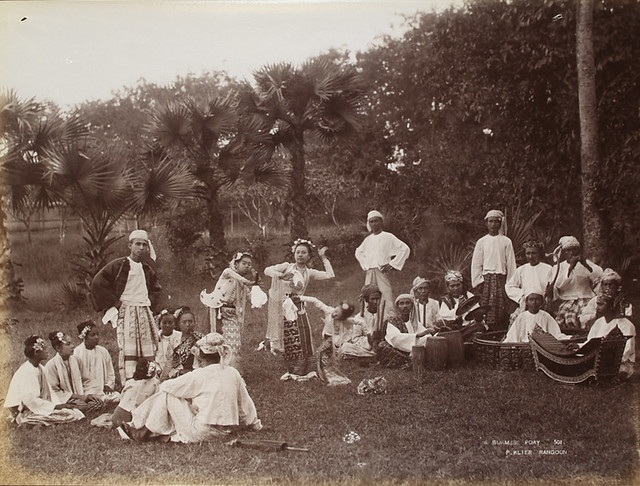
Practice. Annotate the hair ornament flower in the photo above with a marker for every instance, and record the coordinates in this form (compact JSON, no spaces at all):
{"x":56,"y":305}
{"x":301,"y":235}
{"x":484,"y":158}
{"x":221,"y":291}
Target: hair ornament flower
{"x":152,"y":369}
{"x":84,"y":332}
{"x":39,"y":345}
{"x":179,"y":311}
{"x":239,"y":256}
{"x":302,"y":241}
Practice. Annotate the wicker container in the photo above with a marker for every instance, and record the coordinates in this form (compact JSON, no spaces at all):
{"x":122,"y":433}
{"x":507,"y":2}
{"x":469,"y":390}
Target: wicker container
{"x":488,"y":349}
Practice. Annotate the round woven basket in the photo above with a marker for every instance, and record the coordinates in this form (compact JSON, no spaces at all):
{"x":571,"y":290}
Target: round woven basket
{"x":488,"y":349}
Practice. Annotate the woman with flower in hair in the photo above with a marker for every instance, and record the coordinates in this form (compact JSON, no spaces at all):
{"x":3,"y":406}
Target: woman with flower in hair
{"x":63,"y":374}
{"x":200,"y":405}
{"x":96,"y":367}
{"x":182,"y":355}
{"x":228,"y":300}
{"x":291,"y":279}
{"x":30,"y":398}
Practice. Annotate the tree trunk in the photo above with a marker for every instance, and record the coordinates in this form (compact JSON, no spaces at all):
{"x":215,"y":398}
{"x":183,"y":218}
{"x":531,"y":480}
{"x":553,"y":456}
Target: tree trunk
{"x":595,"y":244}
{"x":10,"y":287}
{"x":216,"y":222}
{"x":297,"y":195}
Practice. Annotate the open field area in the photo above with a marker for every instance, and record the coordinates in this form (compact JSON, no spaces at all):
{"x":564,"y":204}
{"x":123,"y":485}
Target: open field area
{"x":458,"y":426}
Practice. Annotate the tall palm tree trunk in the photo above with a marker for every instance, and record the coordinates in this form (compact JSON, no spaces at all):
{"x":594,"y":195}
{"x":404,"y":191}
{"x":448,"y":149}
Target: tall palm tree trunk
{"x":298,"y":196}
{"x":592,"y":220}
{"x":216,"y":221}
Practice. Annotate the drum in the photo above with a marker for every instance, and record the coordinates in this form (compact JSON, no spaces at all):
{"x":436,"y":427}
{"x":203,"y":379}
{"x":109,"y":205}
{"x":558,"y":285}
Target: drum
{"x":436,"y":353}
{"x":418,"y":362}
{"x":455,"y":348}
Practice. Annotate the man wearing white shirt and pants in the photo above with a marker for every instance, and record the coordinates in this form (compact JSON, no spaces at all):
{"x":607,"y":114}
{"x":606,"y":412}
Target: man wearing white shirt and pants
{"x":378,"y":254}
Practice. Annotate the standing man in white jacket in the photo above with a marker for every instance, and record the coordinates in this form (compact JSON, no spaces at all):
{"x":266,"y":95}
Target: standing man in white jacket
{"x":378,"y":254}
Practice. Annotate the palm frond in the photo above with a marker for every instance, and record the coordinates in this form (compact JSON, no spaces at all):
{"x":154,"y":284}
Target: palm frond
{"x":273,"y":80}
{"x":451,"y":257}
{"x":170,"y":125}
{"x":163,"y":186}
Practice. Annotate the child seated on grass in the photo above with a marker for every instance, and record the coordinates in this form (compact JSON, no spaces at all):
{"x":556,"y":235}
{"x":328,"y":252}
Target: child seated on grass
{"x":169,"y":341}
{"x":532,"y":317}
{"x":144,"y":383}
{"x":96,"y":367}
{"x":30,"y":398}
{"x":63,"y":374}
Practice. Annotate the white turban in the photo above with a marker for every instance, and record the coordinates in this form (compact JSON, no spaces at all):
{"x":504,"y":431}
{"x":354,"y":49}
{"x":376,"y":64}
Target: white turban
{"x":417,"y":282}
{"x":403,"y":297}
{"x":569,"y":242}
{"x":611,"y":274}
{"x":143,"y":235}
{"x":371,"y":215}
{"x":494,"y":213}
{"x":214,"y":343}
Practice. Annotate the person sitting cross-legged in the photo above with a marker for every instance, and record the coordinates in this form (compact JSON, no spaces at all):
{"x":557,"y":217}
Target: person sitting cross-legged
{"x":198,"y":405}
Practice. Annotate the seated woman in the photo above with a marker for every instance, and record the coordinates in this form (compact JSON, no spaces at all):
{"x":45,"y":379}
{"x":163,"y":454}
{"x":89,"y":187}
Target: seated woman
{"x":144,"y":383}
{"x":609,"y":318}
{"x":352,"y":336}
{"x":96,"y":367}
{"x":182,"y":355}
{"x":611,"y":284}
{"x":572,"y":280}
{"x":30,"y":397}
{"x":401,"y":334}
{"x":534,"y":316}
{"x":426,"y":308}
{"x":456,"y":295}
{"x":63,"y":375}
{"x":198,"y":405}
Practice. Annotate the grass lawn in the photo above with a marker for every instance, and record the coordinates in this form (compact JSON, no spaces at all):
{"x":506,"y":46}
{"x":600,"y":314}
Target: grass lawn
{"x":458,"y":426}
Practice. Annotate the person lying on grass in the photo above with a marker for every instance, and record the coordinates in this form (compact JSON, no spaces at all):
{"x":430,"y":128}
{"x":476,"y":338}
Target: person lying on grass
{"x":534,"y":316}
{"x":169,"y":341}
{"x":63,"y":375}
{"x":608,"y":318}
{"x":96,"y":367}
{"x":401,"y":334}
{"x":30,"y":398}
{"x":205,"y":403}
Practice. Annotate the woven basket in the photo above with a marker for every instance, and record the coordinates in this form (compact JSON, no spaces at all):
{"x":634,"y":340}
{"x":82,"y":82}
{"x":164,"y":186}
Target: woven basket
{"x":488,"y":349}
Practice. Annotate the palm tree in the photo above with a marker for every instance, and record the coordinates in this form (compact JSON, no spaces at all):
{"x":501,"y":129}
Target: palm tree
{"x":50,"y":154}
{"x":319,"y":98}
{"x":218,"y":146}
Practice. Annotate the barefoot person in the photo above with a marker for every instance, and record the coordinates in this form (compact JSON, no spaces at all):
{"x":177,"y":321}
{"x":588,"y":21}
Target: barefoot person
{"x":124,"y":289}
{"x":378,"y":254}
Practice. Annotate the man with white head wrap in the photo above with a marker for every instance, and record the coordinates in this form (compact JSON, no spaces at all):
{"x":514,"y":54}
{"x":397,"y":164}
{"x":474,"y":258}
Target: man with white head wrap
{"x":573,"y":280}
{"x":493,"y":262}
{"x":426,"y":308}
{"x":199,"y":405}
{"x":123,"y":288}
{"x":379,"y":253}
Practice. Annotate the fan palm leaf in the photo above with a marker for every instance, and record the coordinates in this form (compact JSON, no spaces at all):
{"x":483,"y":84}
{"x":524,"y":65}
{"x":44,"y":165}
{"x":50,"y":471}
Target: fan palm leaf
{"x":163,"y":186}
{"x":170,"y":125}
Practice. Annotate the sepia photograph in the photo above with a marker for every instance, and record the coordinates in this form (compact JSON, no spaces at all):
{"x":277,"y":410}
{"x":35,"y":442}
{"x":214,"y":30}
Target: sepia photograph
{"x":319,"y":242}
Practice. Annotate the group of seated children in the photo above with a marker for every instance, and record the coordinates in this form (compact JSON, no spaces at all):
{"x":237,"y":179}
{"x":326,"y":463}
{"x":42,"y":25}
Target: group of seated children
{"x":167,"y":401}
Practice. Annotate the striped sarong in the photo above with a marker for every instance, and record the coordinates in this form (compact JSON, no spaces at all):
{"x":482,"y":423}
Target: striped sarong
{"x":298,"y":346}
{"x":495,"y":297}
{"x":137,"y":337}
{"x":231,"y":330}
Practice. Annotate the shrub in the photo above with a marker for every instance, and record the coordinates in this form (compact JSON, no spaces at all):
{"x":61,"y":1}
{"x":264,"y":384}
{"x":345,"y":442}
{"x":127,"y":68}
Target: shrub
{"x":342,"y":243}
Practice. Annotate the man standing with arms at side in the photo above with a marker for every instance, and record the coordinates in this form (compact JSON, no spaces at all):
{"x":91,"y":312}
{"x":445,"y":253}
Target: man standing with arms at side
{"x":124,"y":288}
{"x":378,"y":254}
